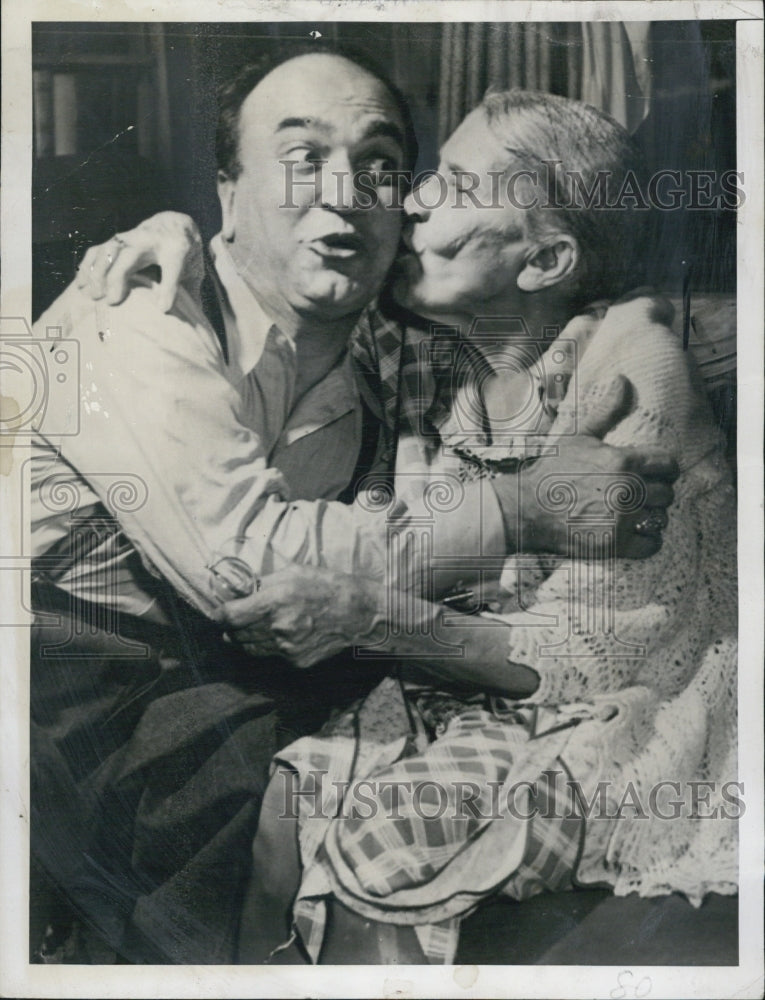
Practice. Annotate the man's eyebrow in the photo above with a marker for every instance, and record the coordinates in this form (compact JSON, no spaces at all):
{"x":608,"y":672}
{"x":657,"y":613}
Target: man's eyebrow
{"x":387,"y":129}
{"x":380,"y":128}
{"x":286,"y":123}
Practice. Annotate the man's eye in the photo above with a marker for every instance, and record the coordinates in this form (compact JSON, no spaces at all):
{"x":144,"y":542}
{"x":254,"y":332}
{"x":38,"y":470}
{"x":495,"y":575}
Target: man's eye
{"x":382,"y":169}
{"x":305,"y":158}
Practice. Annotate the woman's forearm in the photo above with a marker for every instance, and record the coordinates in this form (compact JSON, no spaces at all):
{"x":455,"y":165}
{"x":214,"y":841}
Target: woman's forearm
{"x":307,"y":614}
{"x":464,"y":649}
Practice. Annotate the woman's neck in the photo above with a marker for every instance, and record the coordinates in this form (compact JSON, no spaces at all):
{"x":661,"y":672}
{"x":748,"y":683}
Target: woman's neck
{"x":510,"y":394}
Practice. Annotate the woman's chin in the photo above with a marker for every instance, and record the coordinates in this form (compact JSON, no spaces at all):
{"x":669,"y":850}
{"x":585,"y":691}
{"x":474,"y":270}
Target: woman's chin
{"x":410,"y":296}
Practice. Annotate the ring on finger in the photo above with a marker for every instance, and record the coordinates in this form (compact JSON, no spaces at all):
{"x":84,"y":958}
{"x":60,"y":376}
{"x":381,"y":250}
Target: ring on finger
{"x":119,"y":244}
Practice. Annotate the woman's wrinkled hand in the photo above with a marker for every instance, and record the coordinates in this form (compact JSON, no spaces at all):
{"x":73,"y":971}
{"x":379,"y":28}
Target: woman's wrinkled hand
{"x":304,"y":614}
{"x":169,"y":239}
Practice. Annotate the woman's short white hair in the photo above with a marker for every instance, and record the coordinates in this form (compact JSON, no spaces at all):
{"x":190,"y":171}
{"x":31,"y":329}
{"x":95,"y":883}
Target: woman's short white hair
{"x":586,"y":165}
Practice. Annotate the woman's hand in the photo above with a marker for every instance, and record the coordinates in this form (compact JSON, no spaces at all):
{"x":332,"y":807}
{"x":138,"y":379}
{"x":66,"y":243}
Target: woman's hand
{"x":169,"y":239}
{"x":583,"y":481}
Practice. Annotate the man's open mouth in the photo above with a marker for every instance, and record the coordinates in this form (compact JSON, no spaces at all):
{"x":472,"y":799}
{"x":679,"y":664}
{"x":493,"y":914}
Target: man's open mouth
{"x":338,"y":245}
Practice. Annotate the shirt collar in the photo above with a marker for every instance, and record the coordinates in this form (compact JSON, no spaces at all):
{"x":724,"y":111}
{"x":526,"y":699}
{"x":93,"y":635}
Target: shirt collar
{"x":247,"y":325}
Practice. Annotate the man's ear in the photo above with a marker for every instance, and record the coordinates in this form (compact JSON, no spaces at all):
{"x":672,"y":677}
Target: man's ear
{"x":550,"y":263}
{"x":227,"y":198}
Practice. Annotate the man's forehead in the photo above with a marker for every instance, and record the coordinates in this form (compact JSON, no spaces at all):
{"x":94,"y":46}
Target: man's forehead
{"x":320,"y":90}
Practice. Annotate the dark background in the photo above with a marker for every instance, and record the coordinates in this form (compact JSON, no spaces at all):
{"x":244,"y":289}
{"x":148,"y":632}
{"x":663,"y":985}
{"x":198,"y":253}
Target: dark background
{"x":133,"y":131}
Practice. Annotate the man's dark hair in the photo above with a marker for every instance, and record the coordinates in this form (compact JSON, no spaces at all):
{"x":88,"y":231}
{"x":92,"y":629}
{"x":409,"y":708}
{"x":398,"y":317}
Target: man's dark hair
{"x":235,"y":91}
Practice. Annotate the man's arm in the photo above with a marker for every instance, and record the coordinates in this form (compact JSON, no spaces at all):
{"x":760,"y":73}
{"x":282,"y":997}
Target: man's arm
{"x":156,"y":405}
{"x":487,"y":522}
{"x":172,"y":241}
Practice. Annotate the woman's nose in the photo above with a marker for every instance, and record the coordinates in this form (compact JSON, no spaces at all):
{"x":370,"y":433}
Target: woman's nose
{"x":423,"y":198}
{"x":413,"y":209}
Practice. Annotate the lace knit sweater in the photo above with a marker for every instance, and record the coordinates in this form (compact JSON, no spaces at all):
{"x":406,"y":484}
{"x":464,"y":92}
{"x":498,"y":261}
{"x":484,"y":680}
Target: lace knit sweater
{"x":657,"y":672}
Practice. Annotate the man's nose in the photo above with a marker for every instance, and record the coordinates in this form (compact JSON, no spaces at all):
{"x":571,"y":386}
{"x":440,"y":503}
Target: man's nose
{"x":338,"y":192}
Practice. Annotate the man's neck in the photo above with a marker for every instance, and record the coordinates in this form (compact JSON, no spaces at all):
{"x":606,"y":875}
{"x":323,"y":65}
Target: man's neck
{"x":318,"y":349}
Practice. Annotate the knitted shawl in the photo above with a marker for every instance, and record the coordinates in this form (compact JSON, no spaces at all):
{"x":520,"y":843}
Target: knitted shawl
{"x":646,"y":647}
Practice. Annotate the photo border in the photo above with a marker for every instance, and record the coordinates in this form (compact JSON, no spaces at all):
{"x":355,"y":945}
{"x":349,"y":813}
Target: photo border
{"x":17,"y":977}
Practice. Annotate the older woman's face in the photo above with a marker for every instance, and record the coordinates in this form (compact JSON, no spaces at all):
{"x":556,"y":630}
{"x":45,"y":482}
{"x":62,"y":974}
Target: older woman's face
{"x":466,"y":247}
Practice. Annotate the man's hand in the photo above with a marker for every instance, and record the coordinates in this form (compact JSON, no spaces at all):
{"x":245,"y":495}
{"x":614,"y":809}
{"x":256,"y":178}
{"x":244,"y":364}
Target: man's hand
{"x":168,"y":239}
{"x":304,"y":614}
{"x":584,"y":468}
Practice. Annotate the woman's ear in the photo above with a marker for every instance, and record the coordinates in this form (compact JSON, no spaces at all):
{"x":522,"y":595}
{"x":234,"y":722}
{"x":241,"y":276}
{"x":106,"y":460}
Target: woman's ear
{"x":227,"y":199}
{"x":549,"y":264}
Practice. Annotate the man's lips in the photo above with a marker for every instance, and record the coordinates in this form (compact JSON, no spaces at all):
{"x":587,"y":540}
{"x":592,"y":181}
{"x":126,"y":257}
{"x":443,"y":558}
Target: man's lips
{"x":338,"y":245}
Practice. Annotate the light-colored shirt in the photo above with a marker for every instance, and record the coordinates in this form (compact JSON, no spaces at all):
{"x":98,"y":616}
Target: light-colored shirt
{"x":200,"y":457}
{"x":262,"y":367}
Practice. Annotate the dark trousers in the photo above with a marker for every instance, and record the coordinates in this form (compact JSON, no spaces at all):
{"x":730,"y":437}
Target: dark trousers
{"x":150,"y":753}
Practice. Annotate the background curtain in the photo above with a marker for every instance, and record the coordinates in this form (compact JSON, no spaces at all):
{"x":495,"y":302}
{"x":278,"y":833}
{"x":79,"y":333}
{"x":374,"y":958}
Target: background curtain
{"x":475,"y":57}
{"x":606,"y":64}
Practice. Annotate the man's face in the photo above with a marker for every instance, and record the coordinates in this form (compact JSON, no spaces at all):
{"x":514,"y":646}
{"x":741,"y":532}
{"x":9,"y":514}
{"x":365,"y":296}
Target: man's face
{"x":465,"y":257}
{"x":299,"y":237}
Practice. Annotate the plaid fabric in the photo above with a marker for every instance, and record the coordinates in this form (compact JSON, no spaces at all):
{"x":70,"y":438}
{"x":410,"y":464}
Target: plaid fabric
{"x":554,"y":842}
{"x":383,"y":346}
{"x":399,"y":737}
{"x":409,"y":841}
{"x":397,"y":853}
{"x":407,"y":368}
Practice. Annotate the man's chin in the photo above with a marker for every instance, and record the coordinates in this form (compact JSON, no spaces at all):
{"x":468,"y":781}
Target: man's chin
{"x":337,"y":296}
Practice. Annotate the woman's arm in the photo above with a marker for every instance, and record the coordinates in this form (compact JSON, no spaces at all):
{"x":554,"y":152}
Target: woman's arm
{"x":307,"y":614}
{"x":169,"y":240}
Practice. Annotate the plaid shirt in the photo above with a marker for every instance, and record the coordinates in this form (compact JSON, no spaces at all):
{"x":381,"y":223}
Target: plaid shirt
{"x":407,"y":370}
{"x":387,"y":355}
